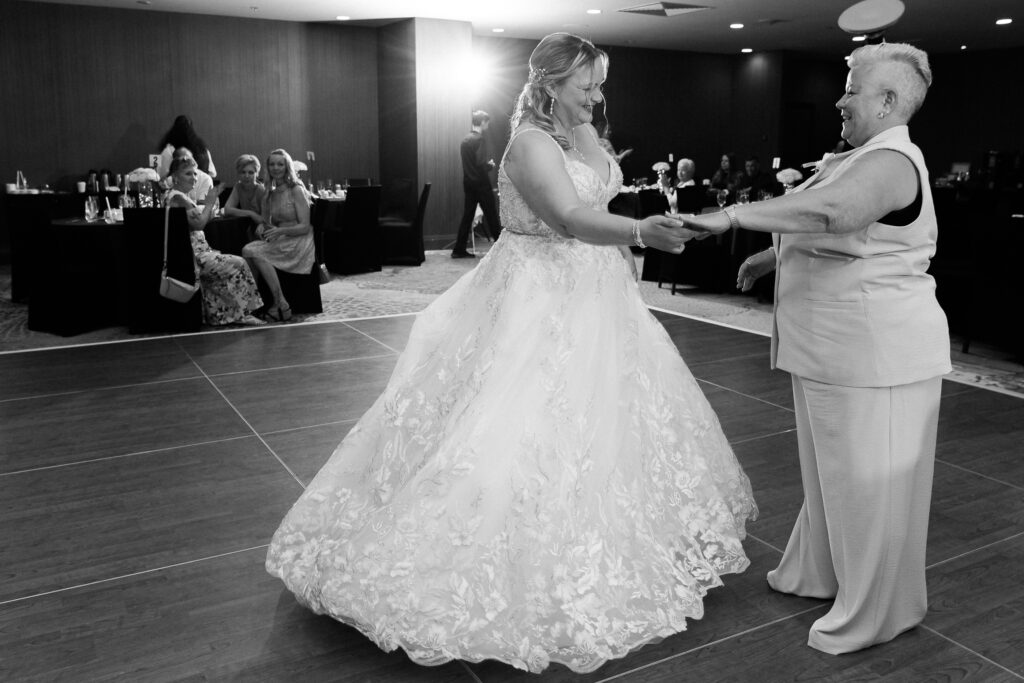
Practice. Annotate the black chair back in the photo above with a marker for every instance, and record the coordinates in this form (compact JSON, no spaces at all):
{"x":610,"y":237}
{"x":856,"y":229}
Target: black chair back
{"x":651,"y":202}
{"x":398,"y":200}
{"x":403,"y":242}
{"x":354,"y":245}
{"x":146,"y":310}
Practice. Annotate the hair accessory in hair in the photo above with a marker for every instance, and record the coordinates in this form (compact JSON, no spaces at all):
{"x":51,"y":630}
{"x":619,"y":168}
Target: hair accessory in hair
{"x":537,"y":74}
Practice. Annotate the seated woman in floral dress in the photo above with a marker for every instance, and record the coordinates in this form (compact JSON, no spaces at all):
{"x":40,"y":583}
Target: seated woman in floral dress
{"x":286,"y":235}
{"x":229,"y":290}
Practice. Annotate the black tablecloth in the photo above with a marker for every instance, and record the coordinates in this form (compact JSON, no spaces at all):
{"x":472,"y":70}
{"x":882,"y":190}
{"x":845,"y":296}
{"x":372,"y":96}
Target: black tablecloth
{"x":87,"y":275}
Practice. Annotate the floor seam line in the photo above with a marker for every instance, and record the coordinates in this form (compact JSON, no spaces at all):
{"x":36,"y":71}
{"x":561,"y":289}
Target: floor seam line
{"x":971,"y":650}
{"x":244,"y":420}
{"x":132,"y":574}
{"x":371,"y":337}
{"x":133,"y":454}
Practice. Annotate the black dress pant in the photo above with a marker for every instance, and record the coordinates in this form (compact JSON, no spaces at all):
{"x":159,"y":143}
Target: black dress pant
{"x":484,"y":196}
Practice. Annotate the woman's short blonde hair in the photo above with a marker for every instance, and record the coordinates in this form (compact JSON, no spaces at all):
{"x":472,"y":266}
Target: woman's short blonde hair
{"x":911,"y":77}
{"x":246,"y":160}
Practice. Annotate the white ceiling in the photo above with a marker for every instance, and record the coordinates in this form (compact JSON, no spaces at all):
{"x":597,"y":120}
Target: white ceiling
{"x":936,"y":26}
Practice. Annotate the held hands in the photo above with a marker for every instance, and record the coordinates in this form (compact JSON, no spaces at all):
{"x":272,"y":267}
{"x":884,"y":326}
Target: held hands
{"x":754,"y":267}
{"x":665,"y":233}
{"x":707,"y":224}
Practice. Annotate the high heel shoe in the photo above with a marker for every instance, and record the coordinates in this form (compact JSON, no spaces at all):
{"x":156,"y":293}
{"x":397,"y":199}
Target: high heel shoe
{"x":279,"y":315}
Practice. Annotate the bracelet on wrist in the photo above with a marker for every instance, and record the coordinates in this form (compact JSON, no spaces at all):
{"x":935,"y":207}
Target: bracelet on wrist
{"x":730,"y":212}
{"x":637,"y":240}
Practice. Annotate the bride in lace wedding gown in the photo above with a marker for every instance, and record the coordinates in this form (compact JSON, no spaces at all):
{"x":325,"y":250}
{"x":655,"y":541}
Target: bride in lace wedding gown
{"x":542,"y":480}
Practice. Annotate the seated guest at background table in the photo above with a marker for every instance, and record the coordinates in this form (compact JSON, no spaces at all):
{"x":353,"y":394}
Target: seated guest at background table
{"x":246,"y":198}
{"x":229,"y":290}
{"x":182,"y":134}
{"x":756,"y":181}
{"x":689,"y":198}
{"x":286,"y":234}
{"x":726,"y":176}
{"x":203,"y":184}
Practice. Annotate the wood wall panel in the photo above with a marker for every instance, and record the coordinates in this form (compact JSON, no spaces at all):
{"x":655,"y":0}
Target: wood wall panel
{"x":396,"y":87}
{"x":105,"y":84}
{"x":443,"y":101}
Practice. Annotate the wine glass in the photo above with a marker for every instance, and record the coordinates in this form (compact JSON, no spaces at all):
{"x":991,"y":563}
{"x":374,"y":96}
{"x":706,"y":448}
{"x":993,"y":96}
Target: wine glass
{"x":743,"y":197}
{"x":722,"y":196}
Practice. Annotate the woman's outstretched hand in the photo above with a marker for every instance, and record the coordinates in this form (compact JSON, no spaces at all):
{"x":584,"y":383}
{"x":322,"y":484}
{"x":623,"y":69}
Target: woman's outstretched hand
{"x":754,"y":267}
{"x":665,"y":233}
{"x":707,"y":224}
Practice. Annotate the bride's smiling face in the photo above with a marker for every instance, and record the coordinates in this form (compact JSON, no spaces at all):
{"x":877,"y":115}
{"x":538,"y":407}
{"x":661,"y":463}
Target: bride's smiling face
{"x":577,"y":95}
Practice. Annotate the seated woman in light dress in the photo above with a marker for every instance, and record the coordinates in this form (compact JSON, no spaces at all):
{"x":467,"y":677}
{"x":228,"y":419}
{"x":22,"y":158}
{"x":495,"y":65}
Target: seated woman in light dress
{"x":246,"y":199}
{"x":285,"y":235}
{"x":542,"y":480}
{"x":229,"y":290}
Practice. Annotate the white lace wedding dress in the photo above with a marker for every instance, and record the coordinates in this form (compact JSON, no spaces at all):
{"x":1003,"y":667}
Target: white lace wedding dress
{"x":541,"y":481}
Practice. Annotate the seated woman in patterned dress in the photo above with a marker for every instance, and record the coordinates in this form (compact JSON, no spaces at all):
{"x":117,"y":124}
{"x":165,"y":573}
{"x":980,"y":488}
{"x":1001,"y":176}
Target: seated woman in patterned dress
{"x":246,"y":199}
{"x":229,"y":290}
{"x":286,"y":235}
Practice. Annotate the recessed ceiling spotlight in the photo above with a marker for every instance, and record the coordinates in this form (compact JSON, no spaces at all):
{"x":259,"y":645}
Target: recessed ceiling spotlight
{"x":963,"y":47}
{"x":497,"y":30}
{"x":342,"y":17}
{"x":1003,"y":22}
{"x":859,"y":39}
{"x":593,"y":11}
{"x":747,"y":50}
{"x":735,"y":25}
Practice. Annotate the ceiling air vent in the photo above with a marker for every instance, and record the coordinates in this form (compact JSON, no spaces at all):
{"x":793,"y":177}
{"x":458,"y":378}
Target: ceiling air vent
{"x":664,"y":9}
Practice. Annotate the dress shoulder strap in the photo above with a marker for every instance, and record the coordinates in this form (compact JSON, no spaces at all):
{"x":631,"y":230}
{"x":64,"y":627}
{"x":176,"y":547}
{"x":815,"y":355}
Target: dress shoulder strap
{"x":535,"y":130}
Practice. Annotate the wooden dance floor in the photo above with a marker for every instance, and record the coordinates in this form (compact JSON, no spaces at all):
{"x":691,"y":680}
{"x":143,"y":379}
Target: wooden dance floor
{"x":140,"y":483}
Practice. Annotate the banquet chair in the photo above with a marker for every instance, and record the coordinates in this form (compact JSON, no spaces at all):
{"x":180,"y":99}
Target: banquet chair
{"x":403,"y":240}
{"x":398,"y":200}
{"x":354,"y":244}
{"x":139,"y":289}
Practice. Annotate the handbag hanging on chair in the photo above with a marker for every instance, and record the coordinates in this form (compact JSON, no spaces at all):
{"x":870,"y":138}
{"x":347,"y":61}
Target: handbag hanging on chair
{"x":170,"y":288}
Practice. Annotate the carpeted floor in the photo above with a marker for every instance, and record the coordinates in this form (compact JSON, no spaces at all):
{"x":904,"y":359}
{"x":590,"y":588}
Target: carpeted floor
{"x":400,"y":290}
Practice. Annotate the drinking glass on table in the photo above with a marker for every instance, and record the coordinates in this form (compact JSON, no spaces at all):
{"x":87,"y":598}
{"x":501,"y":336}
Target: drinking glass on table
{"x":722,"y":196}
{"x":91,"y":209}
{"x":743,"y":197}
{"x":765,"y":194}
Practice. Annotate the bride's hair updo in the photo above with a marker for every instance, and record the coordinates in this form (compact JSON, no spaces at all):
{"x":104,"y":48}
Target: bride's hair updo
{"x":557,"y":57}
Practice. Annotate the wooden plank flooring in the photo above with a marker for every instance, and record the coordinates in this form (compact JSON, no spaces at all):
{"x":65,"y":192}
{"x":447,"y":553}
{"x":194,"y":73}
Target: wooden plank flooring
{"x":140,"y":483}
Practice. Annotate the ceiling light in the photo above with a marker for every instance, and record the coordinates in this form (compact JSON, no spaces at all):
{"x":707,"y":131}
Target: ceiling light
{"x":498,"y":30}
{"x":963,"y":47}
{"x":593,"y":11}
{"x":735,"y":25}
{"x":1003,"y":22}
{"x":144,"y":2}
{"x":859,"y":39}
{"x":342,"y":17}
{"x":747,"y":50}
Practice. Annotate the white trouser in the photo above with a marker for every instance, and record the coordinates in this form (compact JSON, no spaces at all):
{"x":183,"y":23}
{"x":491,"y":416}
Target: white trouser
{"x":866,"y":461}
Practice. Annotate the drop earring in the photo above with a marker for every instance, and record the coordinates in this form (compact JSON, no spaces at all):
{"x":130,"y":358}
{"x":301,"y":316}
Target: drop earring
{"x":881,"y":114}
{"x":551,"y":109}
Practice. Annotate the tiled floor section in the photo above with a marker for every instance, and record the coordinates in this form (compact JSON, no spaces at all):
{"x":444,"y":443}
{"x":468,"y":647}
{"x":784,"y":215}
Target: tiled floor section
{"x":140,"y":482}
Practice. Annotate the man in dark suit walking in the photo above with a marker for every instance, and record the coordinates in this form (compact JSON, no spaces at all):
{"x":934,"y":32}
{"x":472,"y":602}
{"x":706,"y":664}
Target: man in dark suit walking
{"x":476,"y":181}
